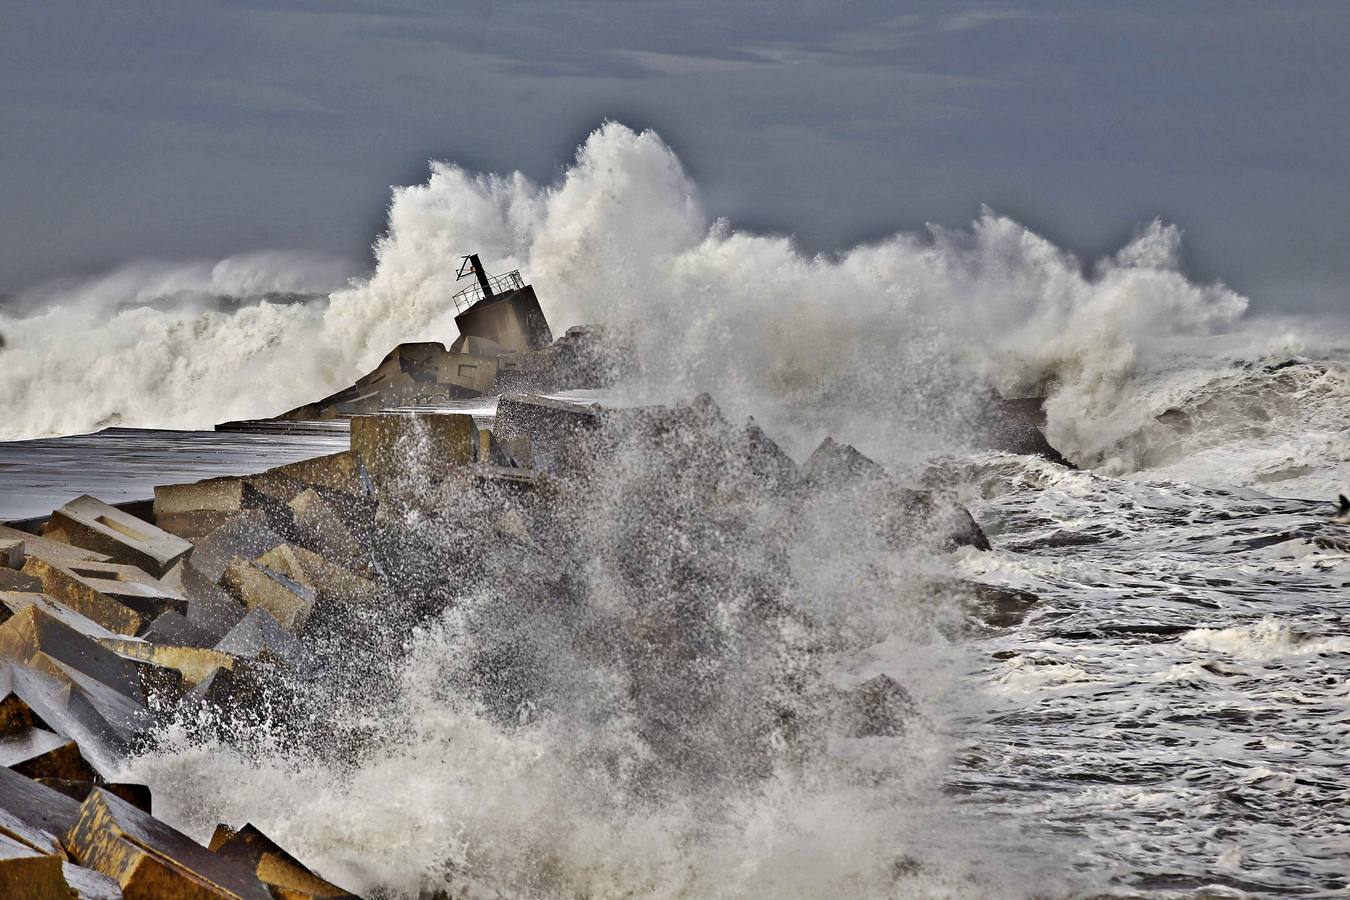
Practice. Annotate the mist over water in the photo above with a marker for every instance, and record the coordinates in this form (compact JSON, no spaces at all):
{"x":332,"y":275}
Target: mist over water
{"x":573,"y":788}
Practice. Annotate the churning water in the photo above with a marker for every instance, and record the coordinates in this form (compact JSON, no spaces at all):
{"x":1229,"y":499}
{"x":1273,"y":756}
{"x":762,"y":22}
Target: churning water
{"x":1166,"y":719}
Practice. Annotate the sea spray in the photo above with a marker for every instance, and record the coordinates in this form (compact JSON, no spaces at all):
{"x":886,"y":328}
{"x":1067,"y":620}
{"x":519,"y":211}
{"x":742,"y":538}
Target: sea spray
{"x":629,"y":683}
{"x":881,"y":345}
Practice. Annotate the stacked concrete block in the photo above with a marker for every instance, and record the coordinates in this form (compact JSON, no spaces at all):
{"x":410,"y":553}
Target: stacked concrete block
{"x":389,"y":445}
{"x":94,"y":525}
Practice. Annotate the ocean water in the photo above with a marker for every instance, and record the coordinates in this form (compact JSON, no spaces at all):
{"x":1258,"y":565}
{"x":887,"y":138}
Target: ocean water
{"x":1167,"y":719}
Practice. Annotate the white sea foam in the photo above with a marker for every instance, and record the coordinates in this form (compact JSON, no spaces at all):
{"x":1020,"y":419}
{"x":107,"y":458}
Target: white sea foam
{"x":878,"y":345}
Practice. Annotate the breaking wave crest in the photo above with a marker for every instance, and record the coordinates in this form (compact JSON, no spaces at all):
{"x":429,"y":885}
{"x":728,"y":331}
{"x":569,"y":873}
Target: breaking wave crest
{"x":879,"y":345}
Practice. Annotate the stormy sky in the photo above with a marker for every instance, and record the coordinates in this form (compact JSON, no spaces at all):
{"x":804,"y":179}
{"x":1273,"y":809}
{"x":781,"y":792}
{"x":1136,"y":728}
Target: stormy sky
{"x":185,"y":129}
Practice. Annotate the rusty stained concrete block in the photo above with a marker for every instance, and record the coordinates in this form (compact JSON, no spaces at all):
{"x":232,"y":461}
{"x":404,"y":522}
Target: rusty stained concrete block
{"x":258,"y":586}
{"x":315,"y":572}
{"x":193,"y":663}
{"x":12,"y":602}
{"x":288,"y":878}
{"x":148,"y":859}
{"x":49,"y":549}
{"x":11,"y":553}
{"x":26,"y":874}
{"x":90,"y":523}
{"x":37,"y":639}
{"x":114,"y":596}
{"x":192,"y":511}
{"x":39,"y":753}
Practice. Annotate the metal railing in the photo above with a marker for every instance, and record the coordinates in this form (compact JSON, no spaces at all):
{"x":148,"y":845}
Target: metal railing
{"x":511,"y":281}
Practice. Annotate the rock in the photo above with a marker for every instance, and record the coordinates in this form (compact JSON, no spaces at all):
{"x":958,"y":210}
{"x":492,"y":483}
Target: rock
{"x":389,"y":445}
{"x":11,"y":553}
{"x":26,"y":874}
{"x":49,"y":549}
{"x":839,"y":465}
{"x":193,"y":511}
{"x":149,"y":859}
{"x":1014,"y":426}
{"x":999,"y":607}
{"x":941,"y":514}
{"x":258,"y":586}
{"x":879,"y":707}
{"x":94,"y":525}
{"x":276,"y":868}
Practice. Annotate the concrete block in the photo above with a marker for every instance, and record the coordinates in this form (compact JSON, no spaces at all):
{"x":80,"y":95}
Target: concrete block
{"x":389,"y":444}
{"x":323,"y":528}
{"x":26,"y":874}
{"x":259,"y":587}
{"x":84,"y":586}
{"x":248,"y":535}
{"x":259,"y":637}
{"x":11,"y":553}
{"x":211,"y":610}
{"x":12,"y":580}
{"x":12,"y":602}
{"x":138,"y":795}
{"x":86,"y":884}
{"x":35,"y":805}
{"x":30,"y":699}
{"x":179,"y":631}
{"x":148,"y":859}
{"x":49,"y":549}
{"x":558,"y":432}
{"x":193,"y":663}
{"x":337,"y":471}
{"x":37,"y":639}
{"x":39,"y":839}
{"x":192,"y":511}
{"x":284,"y":874}
{"x":313,"y":571}
{"x":90,"y":523}
{"x":39,"y":753}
